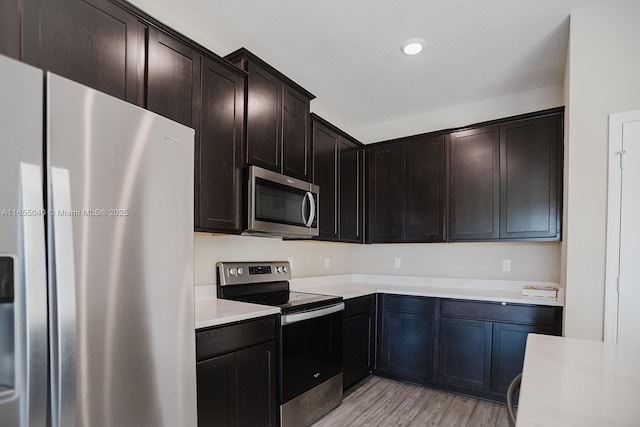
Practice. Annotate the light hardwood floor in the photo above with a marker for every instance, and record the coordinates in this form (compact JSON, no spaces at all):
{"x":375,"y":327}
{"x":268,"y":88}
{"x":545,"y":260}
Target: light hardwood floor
{"x":382,"y":402}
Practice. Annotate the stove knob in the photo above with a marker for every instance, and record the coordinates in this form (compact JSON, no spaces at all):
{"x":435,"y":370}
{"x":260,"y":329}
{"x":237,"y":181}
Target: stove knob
{"x":240,"y":271}
{"x":284,"y":269}
{"x":278,"y":269}
{"x":232,"y":272}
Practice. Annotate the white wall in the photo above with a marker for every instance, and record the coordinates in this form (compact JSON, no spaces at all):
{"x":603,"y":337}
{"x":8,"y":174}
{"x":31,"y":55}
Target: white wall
{"x":529,"y":261}
{"x":604,"y":78}
{"x":308,"y":256}
{"x":461,"y":115}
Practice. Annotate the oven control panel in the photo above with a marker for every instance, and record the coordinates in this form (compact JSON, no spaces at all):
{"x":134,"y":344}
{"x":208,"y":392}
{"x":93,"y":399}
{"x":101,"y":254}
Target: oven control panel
{"x":242,"y":273}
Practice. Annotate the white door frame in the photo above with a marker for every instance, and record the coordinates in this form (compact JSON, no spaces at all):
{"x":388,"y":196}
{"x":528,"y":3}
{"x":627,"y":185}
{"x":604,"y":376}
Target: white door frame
{"x":616,"y":123}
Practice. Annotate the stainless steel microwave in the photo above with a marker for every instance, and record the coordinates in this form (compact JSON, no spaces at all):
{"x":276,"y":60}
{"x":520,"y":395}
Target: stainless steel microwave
{"x":279,"y":205}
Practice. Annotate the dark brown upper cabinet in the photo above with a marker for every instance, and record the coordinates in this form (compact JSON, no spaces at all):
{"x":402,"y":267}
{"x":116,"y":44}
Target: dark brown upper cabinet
{"x":407,"y":190}
{"x":93,"y":42}
{"x":474,"y":184}
{"x":386,"y":180}
{"x":10,"y":31}
{"x":173,"y":79}
{"x":338,"y":162}
{"x":351,"y":189}
{"x":219,"y":149}
{"x":277,"y":115}
{"x":506,"y":180}
{"x":326,"y":146}
{"x":206,"y":94}
{"x":530,"y":178}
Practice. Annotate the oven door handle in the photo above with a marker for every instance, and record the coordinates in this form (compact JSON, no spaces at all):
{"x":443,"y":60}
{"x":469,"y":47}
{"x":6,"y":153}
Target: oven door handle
{"x":288,"y":319}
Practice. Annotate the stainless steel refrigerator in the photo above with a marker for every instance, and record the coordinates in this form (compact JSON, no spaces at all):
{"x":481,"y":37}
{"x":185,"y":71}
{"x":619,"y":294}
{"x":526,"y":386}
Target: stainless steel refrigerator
{"x":96,"y":258}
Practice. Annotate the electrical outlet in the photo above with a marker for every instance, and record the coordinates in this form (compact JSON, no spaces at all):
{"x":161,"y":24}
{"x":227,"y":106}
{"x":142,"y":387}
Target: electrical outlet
{"x":506,"y":265}
{"x":327,"y":263}
{"x":290,"y":259}
{"x":397,"y":263}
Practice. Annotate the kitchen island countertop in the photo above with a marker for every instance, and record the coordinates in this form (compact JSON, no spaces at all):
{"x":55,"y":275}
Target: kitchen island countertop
{"x":575,"y":382}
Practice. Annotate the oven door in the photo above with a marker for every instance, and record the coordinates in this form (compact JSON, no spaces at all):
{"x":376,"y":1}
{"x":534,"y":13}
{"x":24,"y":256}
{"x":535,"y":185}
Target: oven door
{"x":311,"y":349}
{"x":281,"y":206}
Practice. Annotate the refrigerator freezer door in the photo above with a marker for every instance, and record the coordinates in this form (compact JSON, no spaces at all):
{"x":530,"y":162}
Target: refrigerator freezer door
{"x":23,"y":310}
{"x":129,"y":177}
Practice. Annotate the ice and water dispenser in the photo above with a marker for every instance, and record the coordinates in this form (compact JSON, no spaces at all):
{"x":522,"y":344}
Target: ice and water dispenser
{"x":7,"y":326}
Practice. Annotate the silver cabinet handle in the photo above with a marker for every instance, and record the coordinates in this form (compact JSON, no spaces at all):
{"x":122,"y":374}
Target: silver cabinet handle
{"x":288,"y":319}
{"x":62,"y":280}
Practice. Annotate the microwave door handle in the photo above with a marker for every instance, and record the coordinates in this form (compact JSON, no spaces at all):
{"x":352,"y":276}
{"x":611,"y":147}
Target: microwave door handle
{"x":304,"y":205}
{"x":308,"y":196}
{"x":312,"y":214}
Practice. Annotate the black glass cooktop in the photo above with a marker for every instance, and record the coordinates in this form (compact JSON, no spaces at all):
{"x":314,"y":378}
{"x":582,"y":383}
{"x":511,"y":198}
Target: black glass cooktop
{"x":289,"y":301}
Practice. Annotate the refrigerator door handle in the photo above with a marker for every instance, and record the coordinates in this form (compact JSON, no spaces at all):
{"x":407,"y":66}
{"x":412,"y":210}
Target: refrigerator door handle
{"x":34,"y":291}
{"x":63,"y":293}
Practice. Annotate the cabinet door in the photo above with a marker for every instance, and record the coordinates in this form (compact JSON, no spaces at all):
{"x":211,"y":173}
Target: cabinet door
{"x":173,"y":82}
{"x":325,"y":174}
{"x":465,"y":353}
{"x":93,"y":42}
{"x":407,"y":345}
{"x":264,"y":119}
{"x":10,"y":37}
{"x":529,"y":176}
{"x":425,"y":189}
{"x":475,"y":185}
{"x":509,"y":343}
{"x":296,"y":152}
{"x":218,"y":167}
{"x":386,"y":195}
{"x":256,"y":373}
{"x":351,"y":176}
{"x":358,"y":339}
{"x":217,"y":402}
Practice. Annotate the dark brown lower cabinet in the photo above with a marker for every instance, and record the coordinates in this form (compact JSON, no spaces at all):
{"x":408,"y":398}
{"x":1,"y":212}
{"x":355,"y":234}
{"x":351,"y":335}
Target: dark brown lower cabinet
{"x":507,"y":357}
{"x":465,"y":353}
{"x":405,"y":341}
{"x":217,"y":401}
{"x":256,"y":376}
{"x":471,"y":347}
{"x":358,"y":339}
{"x":238,"y":387}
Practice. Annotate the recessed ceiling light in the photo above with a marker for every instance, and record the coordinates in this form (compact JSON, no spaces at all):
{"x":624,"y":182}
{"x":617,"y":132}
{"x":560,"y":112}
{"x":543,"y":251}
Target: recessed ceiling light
{"x":412,"y":47}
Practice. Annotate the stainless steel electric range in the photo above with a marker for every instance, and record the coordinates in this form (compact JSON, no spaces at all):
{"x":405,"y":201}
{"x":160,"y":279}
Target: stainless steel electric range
{"x":310,"y":337}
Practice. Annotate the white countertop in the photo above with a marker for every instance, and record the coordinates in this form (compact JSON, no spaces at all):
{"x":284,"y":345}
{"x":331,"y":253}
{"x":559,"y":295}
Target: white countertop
{"x":355,"y":285}
{"x":214,"y":312}
{"x":572,"y":382}
{"x":210,"y":311}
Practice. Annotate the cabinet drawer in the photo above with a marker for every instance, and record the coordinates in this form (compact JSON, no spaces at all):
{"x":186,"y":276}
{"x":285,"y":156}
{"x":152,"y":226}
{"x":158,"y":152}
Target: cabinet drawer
{"x":409,"y":304}
{"x":358,"y":305}
{"x":225,"y":339}
{"x":516,"y":313}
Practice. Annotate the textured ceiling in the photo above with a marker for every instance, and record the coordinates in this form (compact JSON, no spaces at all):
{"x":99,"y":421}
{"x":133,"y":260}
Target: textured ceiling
{"x":347,"y":53}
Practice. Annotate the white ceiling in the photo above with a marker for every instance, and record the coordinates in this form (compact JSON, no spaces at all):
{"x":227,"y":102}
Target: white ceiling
{"x":347,"y":53}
